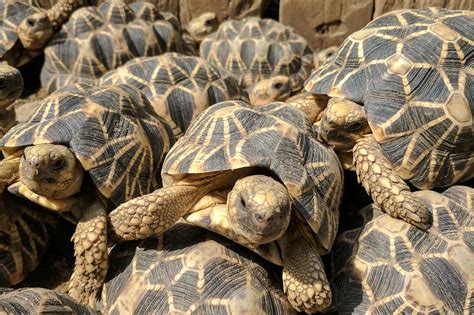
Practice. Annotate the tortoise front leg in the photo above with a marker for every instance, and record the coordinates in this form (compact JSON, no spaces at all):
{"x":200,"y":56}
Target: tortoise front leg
{"x":385,"y":186}
{"x":304,"y":278}
{"x":90,"y":251}
{"x":152,"y":214}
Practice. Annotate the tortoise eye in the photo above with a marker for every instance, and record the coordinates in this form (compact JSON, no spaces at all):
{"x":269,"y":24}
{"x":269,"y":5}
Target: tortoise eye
{"x":356,"y":126}
{"x":58,"y":164}
{"x":278,"y":86}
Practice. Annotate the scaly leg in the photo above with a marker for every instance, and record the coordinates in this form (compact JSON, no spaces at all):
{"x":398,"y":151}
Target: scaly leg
{"x":152,"y":214}
{"x":90,"y":251}
{"x":304,"y":278}
{"x":385,"y":186}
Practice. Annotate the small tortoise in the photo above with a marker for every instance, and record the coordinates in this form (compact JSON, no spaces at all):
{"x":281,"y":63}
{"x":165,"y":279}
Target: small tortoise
{"x":39,"y":301}
{"x":189,"y":270}
{"x":83,"y":151}
{"x":270,"y":161}
{"x":98,"y":39}
{"x":11,"y":87}
{"x":402,"y":103}
{"x":25,"y":233}
{"x":179,"y":87}
{"x":387,"y":266}
{"x":254,"y":49}
{"x":25,"y":29}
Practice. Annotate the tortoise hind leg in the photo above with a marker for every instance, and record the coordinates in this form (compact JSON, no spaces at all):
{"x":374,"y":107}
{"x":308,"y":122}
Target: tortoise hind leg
{"x":152,"y":214}
{"x":90,"y":251}
{"x":385,"y":186}
{"x":304,"y":278}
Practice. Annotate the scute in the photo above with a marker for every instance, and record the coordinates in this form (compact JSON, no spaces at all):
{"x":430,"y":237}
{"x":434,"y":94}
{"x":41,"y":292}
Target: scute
{"x":278,"y":137}
{"x":113,"y":132}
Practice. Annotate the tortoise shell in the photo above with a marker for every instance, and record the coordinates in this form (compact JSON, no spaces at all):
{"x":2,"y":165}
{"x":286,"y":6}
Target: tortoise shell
{"x":12,"y":13}
{"x":387,"y":266}
{"x":98,"y":39}
{"x":179,"y":87}
{"x":113,"y":132}
{"x":25,"y":233}
{"x":39,"y":301}
{"x":254,"y":49}
{"x":190,"y":270}
{"x":413,"y":70}
{"x":277,"y":137}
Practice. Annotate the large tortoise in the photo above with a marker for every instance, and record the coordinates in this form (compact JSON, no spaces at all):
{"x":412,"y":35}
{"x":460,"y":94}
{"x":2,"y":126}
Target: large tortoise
{"x":25,"y":29}
{"x":85,"y":150}
{"x":98,"y":39}
{"x":179,"y":87}
{"x":386,"y":266}
{"x":274,"y":168}
{"x":254,"y":49}
{"x":39,"y":301}
{"x":189,"y":270}
{"x":25,"y":233}
{"x":402,"y":103}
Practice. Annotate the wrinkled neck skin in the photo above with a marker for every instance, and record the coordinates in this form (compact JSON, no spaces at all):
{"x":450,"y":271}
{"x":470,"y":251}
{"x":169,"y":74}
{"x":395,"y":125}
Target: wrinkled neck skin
{"x":7,"y":120}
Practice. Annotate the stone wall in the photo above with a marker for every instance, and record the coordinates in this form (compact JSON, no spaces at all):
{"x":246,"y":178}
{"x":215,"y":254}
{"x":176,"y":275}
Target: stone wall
{"x":325,"y":23}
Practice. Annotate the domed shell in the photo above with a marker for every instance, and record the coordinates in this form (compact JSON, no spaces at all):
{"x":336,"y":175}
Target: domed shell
{"x":98,"y":39}
{"x":113,"y":132}
{"x":179,"y":87}
{"x":190,"y":270}
{"x":254,"y":49}
{"x":413,"y":71}
{"x":277,"y":137}
{"x":388,"y":266}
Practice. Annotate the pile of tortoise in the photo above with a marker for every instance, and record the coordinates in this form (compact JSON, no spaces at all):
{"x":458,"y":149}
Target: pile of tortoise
{"x":207,"y":167}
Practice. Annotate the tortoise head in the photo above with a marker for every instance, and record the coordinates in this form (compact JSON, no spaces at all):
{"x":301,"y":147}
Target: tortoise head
{"x":342,"y":124}
{"x":259,"y":209}
{"x":51,"y":171}
{"x":35,"y":30}
{"x":202,"y":26}
{"x":11,"y":85}
{"x":274,"y":89}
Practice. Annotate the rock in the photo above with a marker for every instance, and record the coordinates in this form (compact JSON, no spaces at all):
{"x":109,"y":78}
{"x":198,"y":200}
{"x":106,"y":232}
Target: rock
{"x":325,"y":23}
{"x":225,"y":9}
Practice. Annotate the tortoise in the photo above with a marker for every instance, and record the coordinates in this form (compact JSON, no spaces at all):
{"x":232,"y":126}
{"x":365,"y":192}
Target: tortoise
{"x":25,"y":233}
{"x":401,"y":103}
{"x":39,"y":301}
{"x":98,"y":39}
{"x":270,"y":160}
{"x":191,"y":270}
{"x":253,"y":49}
{"x":197,"y":29}
{"x":83,"y":151}
{"x":387,"y":266}
{"x":179,"y":87}
{"x":11,"y":87}
{"x":25,"y":29}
